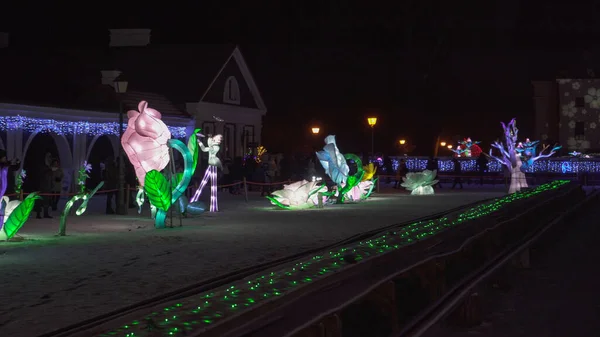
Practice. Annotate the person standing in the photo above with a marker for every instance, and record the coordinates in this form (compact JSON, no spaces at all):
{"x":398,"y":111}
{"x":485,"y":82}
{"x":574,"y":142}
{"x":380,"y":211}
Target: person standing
{"x":57,"y":179}
{"x":482,"y":167}
{"x":12,"y":167}
{"x":401,"y":172}
{"x":45,"y":177}
{"x":110,"y":183}
{"x":457,"y":174}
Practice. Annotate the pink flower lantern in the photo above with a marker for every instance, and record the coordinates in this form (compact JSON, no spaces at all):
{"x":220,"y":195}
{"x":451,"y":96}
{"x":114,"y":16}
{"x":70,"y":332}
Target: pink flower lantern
{"x":145,"y":141}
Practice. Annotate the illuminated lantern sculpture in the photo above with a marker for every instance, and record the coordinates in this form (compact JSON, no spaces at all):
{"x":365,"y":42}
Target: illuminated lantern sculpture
{"x":147,"y":141}
{"x":467,"y":148}
{"x":83,"y":194}
{"x":13,"y":213}
{"x":211,"y":171}
{"x":298,"y":195}
{"x":337,"y":169}
{"x":420,"y":183}
{"x":518,"y":157}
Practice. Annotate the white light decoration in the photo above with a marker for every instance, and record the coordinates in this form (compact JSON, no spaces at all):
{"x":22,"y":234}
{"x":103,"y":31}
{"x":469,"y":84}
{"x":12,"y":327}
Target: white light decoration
{"x":70,"y":128}
{"x":301,"y":194}
{"x":420,"y":183}
{"x":211,"y":171}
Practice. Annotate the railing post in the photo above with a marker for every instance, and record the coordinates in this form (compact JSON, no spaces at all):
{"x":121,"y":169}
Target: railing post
{"x":245,"y":183}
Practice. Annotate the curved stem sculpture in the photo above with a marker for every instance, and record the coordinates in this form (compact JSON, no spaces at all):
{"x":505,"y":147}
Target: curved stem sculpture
{"x":353,"y":180}
{"x":62,"y":230}
{"x":158,"y":188}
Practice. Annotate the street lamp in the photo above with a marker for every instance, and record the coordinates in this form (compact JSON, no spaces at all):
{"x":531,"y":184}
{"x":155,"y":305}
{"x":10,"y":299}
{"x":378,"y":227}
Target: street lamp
{"x":120,"y":88}
{"x":315,"y":130}
{"x":372,"y":121}
{"x":402,"y":141}
{"x":443,"y":143}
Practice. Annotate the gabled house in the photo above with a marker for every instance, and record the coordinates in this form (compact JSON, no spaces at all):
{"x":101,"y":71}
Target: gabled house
{"x":61,"y":91}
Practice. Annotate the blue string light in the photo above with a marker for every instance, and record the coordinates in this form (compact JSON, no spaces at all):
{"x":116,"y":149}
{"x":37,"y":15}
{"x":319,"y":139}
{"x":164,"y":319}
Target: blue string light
{"x":71,"y":128}
{"x":553,"y":165}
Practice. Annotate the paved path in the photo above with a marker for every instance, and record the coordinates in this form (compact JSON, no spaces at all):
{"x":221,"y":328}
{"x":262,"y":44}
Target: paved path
{"x":108,"y":262}
{"x":558,"y":297}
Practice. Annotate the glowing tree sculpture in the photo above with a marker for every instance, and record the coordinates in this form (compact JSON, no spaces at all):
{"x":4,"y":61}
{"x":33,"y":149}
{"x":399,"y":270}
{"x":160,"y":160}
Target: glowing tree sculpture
{"x":13,"y":213}
{"x":83,"y":195}
{"x":337,"y":169}
{"x":511,"y":155}
{"x":211,"y":172}
{"x":420,"y":183}
{"x":298,"y":195}
{"x":146,"y":142}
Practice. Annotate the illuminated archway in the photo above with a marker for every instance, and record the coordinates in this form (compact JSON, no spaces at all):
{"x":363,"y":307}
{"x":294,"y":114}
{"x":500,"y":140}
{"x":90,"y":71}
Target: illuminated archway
{"x":64,"y":153}
{"x":114,"y":142}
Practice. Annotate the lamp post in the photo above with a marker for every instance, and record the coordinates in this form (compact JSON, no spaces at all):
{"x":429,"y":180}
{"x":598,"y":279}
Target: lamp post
{"x":121,"y":88}
{"x":372,"y":121}
{"x":443,"y":143}
{"x":315,"y":130}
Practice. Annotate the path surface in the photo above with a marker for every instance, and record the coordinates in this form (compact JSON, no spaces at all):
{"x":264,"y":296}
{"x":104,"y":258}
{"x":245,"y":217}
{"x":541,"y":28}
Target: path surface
{"x":558,"y":297}
{"x":108,"y":262}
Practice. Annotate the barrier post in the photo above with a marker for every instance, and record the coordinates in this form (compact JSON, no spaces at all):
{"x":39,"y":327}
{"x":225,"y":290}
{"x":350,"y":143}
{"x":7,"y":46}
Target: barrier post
{"x":21,"y":195}
{"x":245,"y":189}
{"x":320,"y":196}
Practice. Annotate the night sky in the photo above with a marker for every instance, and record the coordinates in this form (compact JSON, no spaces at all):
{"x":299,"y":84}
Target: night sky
{"x":423,"y":68}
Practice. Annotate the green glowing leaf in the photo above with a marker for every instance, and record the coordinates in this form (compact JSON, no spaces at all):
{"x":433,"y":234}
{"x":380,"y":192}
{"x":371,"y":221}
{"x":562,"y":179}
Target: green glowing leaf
{"x":157,"y":189}
{"x":277,"y":203}
{"x":176,"y":179}
{"x":19,"y":215}
{"x":193,"y":148}
{"x":368,"y":194}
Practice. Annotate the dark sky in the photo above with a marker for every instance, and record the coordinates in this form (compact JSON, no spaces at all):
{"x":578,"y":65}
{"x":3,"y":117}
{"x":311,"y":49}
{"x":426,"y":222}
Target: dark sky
{"x":423,"y":67}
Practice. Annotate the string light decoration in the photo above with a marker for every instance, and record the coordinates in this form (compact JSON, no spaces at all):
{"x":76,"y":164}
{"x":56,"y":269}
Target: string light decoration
{"x":66,"y":128}
{"x":555,"y":165}
{"x":206,"y":309}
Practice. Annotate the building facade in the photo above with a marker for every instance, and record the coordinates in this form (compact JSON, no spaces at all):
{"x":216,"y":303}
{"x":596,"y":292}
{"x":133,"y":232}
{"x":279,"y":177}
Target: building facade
{"x":69,"y":93}
{"x":568,"y":112}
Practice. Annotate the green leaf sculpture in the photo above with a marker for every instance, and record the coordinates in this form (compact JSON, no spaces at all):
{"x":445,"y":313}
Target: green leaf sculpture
{"x":192,"y":146}
{"x":158,"y":190}
{"x":352,"y":180}
{"x":19,"y":216}
{"x":176,"y":179}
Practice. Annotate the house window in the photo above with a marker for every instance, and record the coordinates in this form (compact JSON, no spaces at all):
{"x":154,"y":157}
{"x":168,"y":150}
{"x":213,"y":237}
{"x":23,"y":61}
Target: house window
{"x":579,"y":130}
{"x":229,"y":145}
{"x":231,"y":93}
{"x":579,"y":102}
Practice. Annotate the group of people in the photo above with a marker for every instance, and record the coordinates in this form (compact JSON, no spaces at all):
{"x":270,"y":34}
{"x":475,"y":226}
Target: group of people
{"x":47,"y":179}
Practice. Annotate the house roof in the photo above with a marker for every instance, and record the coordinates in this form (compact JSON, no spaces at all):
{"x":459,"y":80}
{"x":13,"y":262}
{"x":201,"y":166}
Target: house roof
{"x":167,"y":76}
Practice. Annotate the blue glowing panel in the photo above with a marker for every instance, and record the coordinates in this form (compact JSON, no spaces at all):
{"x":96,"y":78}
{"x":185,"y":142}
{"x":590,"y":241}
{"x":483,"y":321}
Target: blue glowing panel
{"x":71,"y":128}
{"x":553,"y":165}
